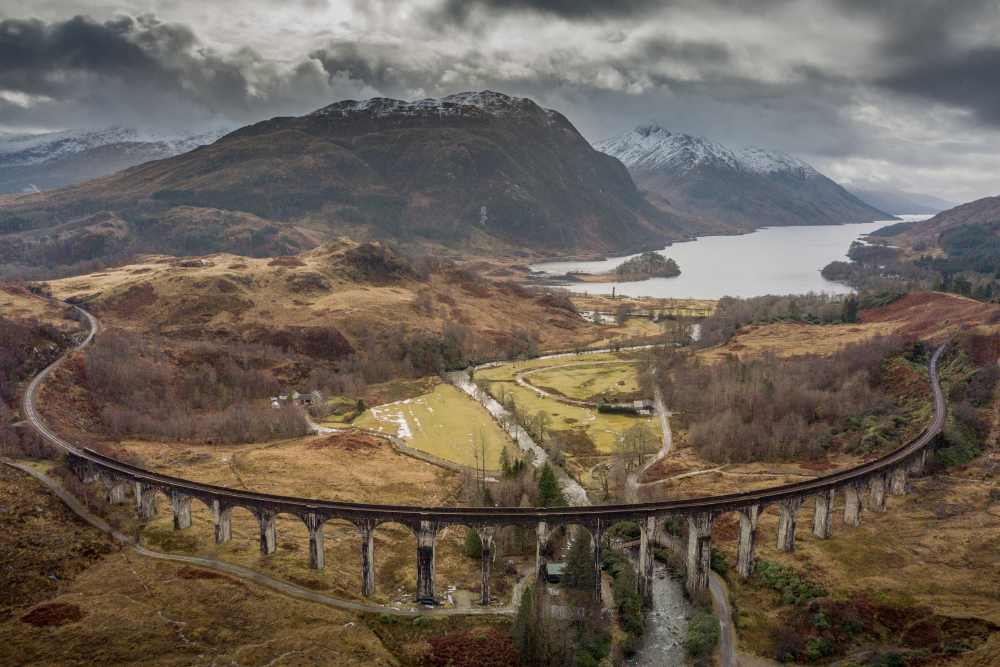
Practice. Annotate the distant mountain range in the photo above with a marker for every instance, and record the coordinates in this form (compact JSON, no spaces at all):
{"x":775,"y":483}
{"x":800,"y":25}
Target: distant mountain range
{"x":745,"y":189}
{"x":31,"y":162}
{"x":898,"y":202}
{"x":479,"y":172}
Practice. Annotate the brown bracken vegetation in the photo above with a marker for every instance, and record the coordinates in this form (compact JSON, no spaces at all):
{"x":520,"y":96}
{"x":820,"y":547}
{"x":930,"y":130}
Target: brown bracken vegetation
{"x":770,"y":408}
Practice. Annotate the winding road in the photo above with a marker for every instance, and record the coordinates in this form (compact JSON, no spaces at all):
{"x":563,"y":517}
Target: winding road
{"x":582,"y":514}
{"x":30,"y":413}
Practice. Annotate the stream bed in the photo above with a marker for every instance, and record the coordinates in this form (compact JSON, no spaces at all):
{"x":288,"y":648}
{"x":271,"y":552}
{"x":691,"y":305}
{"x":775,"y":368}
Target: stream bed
{"x":662,"y":644}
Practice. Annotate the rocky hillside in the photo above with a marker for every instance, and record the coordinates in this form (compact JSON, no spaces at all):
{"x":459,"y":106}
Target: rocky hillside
{"x":340,"y":297}
{"x":982,"y":210}
{"x":30,"y":163}
{"x":476,"y":171}
{"x":746,"y":189}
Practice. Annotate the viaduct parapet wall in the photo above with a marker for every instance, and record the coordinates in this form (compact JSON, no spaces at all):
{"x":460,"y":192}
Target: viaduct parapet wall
{"x":869,"y":483}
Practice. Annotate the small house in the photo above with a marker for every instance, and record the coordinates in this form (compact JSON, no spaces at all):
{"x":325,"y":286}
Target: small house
{"x":312,"y":398}
{"x":644,"y":406}
{"x":275,"y":404}
{"x":554,"y":572}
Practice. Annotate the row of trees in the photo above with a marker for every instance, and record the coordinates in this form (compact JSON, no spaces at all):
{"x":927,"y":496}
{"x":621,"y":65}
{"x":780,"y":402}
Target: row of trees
{"x":731,"y":313}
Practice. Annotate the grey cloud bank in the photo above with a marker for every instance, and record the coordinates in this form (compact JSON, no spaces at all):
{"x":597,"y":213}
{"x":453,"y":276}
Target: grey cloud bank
{"x":894,"y":92}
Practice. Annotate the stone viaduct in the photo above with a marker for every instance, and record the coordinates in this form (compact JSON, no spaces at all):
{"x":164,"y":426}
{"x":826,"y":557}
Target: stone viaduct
{"x":871,"y":482}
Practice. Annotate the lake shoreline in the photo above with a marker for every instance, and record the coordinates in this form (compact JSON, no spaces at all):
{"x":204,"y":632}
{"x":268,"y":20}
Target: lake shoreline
{"x":770,"y":260}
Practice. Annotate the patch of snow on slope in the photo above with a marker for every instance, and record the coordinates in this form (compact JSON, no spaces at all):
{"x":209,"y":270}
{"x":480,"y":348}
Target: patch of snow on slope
{"x":453,"y":105}
{"x":765,"y":162}
{"x":32,"y":149}
{"x":653,"y":147}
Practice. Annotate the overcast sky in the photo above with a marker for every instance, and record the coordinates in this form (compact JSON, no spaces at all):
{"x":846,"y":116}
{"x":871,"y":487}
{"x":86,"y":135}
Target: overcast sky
{"x":900,"y":92}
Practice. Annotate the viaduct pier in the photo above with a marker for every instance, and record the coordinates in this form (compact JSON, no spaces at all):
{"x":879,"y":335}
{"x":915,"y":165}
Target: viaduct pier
{"x":870,"y":483}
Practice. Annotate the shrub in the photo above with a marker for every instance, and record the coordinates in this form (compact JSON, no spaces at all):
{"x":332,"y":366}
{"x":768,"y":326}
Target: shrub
{"x":609,"y":409}
{"x":387,"y":619}
{"x":473,"y":544}
{"x":702,"y":635}
{"x":794,"y":590}
{"x":719,"y":562}
{"x":818,"y":648}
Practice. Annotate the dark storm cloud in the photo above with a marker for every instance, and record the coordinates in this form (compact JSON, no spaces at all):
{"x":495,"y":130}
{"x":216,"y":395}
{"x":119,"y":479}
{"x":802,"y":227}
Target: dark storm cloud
{"x":458,"y":10}
{"x":930,"y":51}
{"x":34,"y":52}
{"x":919,"y":24}
{"x":142,"y":67}
{"x":858,"y":84}
{"x":969,"y":80}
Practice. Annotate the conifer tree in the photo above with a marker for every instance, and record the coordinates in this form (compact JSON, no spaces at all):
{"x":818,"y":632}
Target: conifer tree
{"x":549,"y":493}
{"x":851,"y":309}
{"x":579,"y":572}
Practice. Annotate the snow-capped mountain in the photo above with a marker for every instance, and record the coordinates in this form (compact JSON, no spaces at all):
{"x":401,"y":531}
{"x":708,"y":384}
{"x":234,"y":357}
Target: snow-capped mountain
{"x":461,"y":171}
{"x":458,"y":105}
{"x":30,"y":162}
{"x":748,"y":188}
{"x":766,"y":162}
{"x":653,"y":147}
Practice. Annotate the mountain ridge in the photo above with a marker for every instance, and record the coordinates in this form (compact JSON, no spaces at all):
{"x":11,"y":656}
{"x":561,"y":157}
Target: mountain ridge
{"x":928,"y":231}
{"x":482,"y":171}
{"x":33,"y":162}
{"x":749,"y":188}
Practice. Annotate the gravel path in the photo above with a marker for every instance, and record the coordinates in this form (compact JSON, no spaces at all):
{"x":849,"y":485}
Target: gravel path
{"x":229,"y":568}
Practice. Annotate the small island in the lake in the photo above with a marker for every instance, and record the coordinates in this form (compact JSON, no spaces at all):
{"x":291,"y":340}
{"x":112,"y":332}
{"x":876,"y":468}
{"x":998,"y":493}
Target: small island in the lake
{"x":641,"y":267}
{"x":647,"y":265}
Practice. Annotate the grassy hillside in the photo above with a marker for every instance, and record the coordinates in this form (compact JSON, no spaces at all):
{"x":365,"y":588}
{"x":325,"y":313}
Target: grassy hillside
{"x":479,"y":172}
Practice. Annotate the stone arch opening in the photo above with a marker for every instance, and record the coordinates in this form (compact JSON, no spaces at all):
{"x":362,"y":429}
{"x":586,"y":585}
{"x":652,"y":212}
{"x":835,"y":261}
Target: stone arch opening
{"x":342,"y":559}
{"x":726,"y":539}
{"x":572,"y":559}
{"x":291,"y":539}
{"x":173,"y":522}
{"x":245,"y":538}
{"x":394,"y":557}
{"x":461,"y":576}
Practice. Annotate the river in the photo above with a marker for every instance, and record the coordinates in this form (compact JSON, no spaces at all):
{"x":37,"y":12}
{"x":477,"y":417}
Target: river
{"x":775,"y":260}
{"x":662,"y":643}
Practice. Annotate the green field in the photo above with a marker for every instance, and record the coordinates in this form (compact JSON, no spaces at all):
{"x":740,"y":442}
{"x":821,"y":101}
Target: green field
{"x":507,"y":371}
{"x":444,"y":423}
{"x":582,"y":380}
{"x":603,"y":429}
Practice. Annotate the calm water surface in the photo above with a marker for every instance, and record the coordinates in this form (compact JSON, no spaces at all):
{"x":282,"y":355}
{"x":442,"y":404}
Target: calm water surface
{"x":778,"y":260}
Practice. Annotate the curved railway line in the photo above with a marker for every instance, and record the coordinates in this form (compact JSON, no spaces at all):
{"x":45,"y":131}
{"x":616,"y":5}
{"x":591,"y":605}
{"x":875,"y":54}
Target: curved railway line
{"x":877,"y":479}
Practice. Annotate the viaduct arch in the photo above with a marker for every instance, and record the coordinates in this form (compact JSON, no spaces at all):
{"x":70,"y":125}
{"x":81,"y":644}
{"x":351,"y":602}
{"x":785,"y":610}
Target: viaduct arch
{"x":872,"y":481}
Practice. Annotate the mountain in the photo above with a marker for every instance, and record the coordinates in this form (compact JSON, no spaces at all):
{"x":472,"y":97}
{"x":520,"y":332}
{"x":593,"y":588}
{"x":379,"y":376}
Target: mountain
{"x":748,"y":188}
{"x":898,"y":202}
{"x":927,"y":231}
{"x":30,"y":162}
{"x":476,"y":171}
